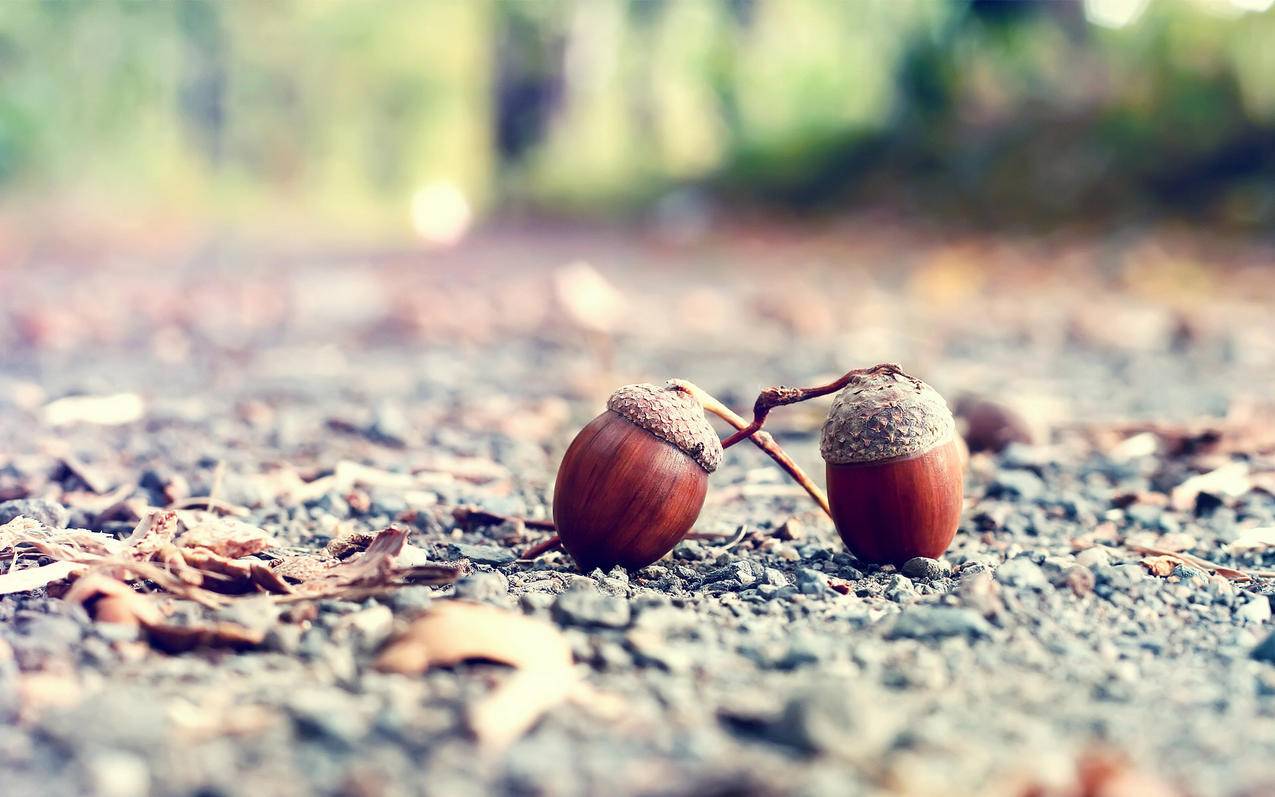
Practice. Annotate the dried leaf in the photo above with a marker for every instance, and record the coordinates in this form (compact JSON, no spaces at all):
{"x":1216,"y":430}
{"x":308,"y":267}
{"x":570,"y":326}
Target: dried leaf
{"x":112,"y":410}
{"x":376,"y":570}
{"x":110,"y":600}
{"x":180,"y":638}
{"x":91,"y":478}
{"x":1159,"y":565}
{"x":1140,"y":445}
{"x":455,"y":631}
{"x":300,"y":568}
{"x":1204,"y":564}
{"x":30,"y":578}
{"x":1257,"y":539}
{"x":227,"y":537}
{"x":1230,"y":480}
{"x":347,"y":545}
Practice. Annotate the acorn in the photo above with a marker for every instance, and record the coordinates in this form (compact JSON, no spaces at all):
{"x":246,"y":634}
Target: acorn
{"x":633,"y":481}
{"x":895,"y":479}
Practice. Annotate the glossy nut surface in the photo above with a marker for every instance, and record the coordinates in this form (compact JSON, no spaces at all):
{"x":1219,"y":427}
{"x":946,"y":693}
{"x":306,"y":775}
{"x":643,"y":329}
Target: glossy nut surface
{"x":624,"y":496}
{"x":891,"y":511}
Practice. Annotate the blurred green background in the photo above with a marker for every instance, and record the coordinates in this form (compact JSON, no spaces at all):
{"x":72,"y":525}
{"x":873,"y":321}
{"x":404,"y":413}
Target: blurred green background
{"x":375,"y":115}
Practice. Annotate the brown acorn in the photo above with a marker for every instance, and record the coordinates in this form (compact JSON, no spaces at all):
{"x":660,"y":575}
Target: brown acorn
{"x":633,"y":481}
{"x":895,"y":481}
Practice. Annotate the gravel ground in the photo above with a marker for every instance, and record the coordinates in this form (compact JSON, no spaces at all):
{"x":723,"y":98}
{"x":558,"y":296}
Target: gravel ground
{"x":1041,"y":656}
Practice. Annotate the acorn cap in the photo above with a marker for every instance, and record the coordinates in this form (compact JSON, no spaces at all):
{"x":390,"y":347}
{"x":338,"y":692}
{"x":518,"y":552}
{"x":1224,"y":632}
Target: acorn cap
{"x":884,"y":414}
{"x":673,"y":416}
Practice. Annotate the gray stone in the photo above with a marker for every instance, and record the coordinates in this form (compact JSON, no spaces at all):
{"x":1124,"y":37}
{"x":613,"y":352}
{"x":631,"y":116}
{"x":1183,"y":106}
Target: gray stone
{"x":329,"y":714}
{"x":482,"y":554}
{"x":1091,"y":557}
{"x":1022,"y":484}
{"x":736,"y":575}
{"x":923,"y":568}
{"x":533,"y":602}
{"x":411,"y":599}
{"x":937,"y":622}
{"x":832,"y":719}
{"x":370,"y":627}
{"x":585,"y":608}
{"x":48,"y":513}
{"x":900,"y":589}
{"x":1265,"y":650}
{"x":1022,"y":572}
{"x":118,"y":774}
{"x":1256,"y":611}
{"x":776,"y":578}
{"x":812,"y":582}
{"x":483,"y":588}
{"x":1187,"y":572}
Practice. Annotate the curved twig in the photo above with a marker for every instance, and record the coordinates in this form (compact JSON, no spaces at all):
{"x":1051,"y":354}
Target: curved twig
{"x":780,"y":396}
{"x":761,"y":439}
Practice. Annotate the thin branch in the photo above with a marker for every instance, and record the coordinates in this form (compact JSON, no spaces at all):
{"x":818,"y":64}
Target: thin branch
{"x":762,"y":440}
{"x":780,"y":396}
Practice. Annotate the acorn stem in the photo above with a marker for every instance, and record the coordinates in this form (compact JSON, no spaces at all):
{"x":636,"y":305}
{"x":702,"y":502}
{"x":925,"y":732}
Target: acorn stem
{"x":761,"y":439}
{"x":780,"y":396}
{"x":542,"y":547}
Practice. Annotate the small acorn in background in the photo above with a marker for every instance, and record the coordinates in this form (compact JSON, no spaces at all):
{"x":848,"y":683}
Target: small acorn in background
{"x":633,"y":481}
{"x":895,"y":477}
{"x":989,"y":425}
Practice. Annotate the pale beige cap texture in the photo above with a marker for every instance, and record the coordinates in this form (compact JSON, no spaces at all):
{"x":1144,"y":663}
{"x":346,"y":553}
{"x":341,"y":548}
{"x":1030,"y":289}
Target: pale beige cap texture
{"x":673,"y":416}
{"x":884,"y":415}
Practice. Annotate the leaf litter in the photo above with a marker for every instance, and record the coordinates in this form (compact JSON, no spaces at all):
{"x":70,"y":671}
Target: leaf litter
{"x":200,"y":557}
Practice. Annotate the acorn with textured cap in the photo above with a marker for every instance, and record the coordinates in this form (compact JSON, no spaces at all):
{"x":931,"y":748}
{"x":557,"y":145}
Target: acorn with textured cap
{"x":894,"y":462}
{"x":633,"y":481}
{"x":895,"y":479}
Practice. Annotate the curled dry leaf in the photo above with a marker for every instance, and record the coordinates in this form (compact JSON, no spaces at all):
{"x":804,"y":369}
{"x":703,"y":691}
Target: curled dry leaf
{"x":182,"y":638}
{"x":112,"y":410}
{"x":233,"y":576}
{"x":347,"y":545}
{"x":227,"y":537}
{"x":112,"y":601}
{"x":1204,"y":564}
{"x":1230,"y":480}
{"x":1159,"y":565}
{"x":455,"y":631}
{"x":1258,"y":539}
{"x":30,"y":578}
{"x":376,"y":570}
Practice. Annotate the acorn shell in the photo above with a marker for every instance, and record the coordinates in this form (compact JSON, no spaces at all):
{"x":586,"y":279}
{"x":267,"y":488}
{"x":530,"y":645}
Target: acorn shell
{"x":624,"y":496}
{"x":884,"y":414}
{"x":671,"y":415}
{"x":895,"y":510}
{"x":894,"y":469}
